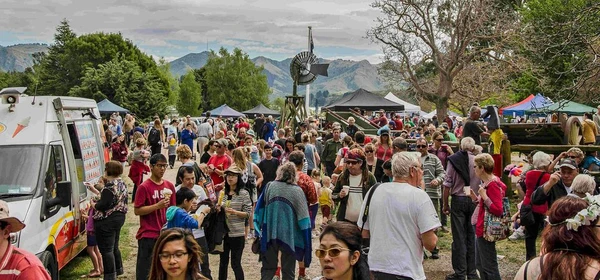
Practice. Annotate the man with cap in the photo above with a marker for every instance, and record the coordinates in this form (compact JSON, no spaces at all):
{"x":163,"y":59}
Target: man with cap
{"x":558,"y":185}
{"x":16,"y":263}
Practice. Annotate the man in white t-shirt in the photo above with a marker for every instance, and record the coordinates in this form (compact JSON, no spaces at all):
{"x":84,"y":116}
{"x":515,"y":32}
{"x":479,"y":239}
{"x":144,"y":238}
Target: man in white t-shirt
{"x":188,"y":179}
{"x":400,"y":222}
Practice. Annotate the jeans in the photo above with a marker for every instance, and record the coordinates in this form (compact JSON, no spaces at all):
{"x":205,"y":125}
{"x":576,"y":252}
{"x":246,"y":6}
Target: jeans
{"x":439,"y":204}
{"x":144,"y":258}
{"x":463,"y":236}
{"x":204,"y":266}
{"x":107,"y":235}
{"x":532,"y":234}
{"x":269,"y":263}
{"x":386,"y":276}
{"x":487,"y":260}
{"x":235,"y":246}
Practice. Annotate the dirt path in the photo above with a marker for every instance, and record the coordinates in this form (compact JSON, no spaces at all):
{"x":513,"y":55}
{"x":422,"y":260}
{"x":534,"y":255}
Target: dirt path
{"x":434,"y":269}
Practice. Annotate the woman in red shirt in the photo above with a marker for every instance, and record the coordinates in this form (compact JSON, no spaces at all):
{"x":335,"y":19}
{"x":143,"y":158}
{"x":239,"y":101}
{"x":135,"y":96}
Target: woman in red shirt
{"x":534,"y":178}
{"x":491,"y":193}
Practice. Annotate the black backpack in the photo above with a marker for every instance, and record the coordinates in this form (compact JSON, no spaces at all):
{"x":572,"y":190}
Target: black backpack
{"x":154,"y":136}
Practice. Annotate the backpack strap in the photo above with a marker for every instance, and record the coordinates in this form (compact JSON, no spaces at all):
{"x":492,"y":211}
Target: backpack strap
{"x":525,"y":271}
{"x":366,"y":213}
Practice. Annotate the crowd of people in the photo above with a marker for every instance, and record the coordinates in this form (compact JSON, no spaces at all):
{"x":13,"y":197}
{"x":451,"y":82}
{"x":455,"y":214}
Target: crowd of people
{"x":382,"y":201}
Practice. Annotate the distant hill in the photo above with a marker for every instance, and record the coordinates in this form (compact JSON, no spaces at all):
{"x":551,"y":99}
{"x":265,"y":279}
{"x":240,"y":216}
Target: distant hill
{"x":19,"y":57}
{"x":344,"y":75}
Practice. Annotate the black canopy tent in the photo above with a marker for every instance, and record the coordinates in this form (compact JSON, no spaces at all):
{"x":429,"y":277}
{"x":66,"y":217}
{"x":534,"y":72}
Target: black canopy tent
{"x":107,"y":107}
{"x":364,"y":100}
{"x":261,"y":109}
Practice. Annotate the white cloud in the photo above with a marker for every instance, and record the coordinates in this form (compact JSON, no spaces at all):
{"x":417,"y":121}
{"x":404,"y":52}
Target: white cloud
{"x":256,"y":25}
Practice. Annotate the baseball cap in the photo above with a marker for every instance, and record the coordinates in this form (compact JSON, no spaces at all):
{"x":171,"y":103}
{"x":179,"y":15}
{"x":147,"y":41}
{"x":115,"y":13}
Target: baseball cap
{"x":568,"y":163}
{"x":15,"y":224}
{"x":222,"y":142}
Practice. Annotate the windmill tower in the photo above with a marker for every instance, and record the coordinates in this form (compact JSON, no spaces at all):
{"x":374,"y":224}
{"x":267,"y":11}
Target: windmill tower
{"x":304,"y":70}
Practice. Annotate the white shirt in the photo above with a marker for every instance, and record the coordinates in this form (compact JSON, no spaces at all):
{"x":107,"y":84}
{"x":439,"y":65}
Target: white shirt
{"x":201,"y":195}
{"x":398,"y":214}
{"x":355,"y":198}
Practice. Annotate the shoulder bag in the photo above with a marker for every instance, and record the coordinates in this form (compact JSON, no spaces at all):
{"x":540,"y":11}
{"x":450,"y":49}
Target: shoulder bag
{"x":497,"y":228}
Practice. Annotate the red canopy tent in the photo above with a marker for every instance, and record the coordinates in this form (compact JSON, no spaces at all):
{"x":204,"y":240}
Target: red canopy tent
{"x":528,"y":99}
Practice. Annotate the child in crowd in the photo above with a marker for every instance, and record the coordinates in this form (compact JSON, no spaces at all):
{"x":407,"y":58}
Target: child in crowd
{"x":138,"y":164}
{"x":314,"y":208}
{"x":326,"y":201}
{"x":92,"y":245}
{"x":178,"y":216}
{"x":172,"y":147}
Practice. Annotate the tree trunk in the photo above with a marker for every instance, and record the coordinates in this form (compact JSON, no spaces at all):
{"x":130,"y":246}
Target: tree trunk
{"x":444,"y":91}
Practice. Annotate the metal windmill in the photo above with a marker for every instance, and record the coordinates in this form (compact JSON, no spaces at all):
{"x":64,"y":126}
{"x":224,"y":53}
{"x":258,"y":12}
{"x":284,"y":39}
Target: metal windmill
{"x":304,"y":70}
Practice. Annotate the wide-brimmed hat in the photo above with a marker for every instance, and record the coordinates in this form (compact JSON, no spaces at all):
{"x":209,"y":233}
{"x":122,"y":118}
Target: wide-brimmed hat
{"x":15,"y":224}
{"x":233,"y":169}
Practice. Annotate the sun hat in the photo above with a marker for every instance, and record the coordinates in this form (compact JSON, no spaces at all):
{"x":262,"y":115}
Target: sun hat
{"x":15,"y":224}
{"x":233,"y":169}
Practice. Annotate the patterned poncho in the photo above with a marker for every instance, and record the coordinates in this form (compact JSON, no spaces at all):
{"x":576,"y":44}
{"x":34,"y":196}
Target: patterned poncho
{"x":281,"y":217}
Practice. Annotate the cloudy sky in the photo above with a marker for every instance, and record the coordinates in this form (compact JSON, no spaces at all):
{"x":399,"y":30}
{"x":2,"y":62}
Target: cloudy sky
{"x":173,"y":28}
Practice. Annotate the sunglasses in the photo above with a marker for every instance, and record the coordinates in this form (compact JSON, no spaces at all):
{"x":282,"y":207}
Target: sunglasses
{"x":217,"y":146}
{"x":573,"y":157}
{"x":368,"y":152}
{"x":353,"y":162}
{"x":333,"y":252}
{"x":421,"y":146}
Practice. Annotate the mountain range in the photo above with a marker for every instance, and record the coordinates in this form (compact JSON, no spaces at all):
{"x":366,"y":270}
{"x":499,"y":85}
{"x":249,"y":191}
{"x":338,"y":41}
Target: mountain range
{"x":344,"y":75}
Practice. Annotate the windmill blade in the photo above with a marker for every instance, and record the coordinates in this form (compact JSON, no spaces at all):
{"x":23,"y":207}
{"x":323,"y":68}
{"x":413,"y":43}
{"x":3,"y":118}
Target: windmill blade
{"x":319,"y":69}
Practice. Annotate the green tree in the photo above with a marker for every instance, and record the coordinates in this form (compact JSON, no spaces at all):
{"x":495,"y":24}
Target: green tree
{"x":125,"y":84}
{"x":278,"y":104}
{"x":164,"y":70}
{"x":189,"y":95}
{"x":200,"y":75}
{"x":561,"y":39}
{"x":70,"y":56}
{"x":233,"y":78}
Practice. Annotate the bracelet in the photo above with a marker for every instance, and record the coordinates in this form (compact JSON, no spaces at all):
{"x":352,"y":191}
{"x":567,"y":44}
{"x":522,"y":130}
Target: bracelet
{"x":203,"y":214}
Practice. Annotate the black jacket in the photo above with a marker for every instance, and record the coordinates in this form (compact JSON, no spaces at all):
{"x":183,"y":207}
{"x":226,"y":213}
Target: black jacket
{"x":557,"y":191}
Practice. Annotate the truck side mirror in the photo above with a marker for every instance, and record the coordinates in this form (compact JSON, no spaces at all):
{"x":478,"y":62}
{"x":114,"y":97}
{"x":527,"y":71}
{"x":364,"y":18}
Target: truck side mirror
{"x":63,"y":195}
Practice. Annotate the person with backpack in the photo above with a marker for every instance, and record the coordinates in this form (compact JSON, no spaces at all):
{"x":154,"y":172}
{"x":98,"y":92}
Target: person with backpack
{"x":156,"y":137}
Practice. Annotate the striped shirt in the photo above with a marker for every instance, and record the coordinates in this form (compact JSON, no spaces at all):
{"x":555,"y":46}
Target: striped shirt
{"x":20,"y":264}
{"x":433,"y":169}
{"x":238,"y":202}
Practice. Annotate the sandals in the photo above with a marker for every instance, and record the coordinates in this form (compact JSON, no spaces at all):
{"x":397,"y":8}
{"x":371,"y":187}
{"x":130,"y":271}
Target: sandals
{"x":92,"y":274}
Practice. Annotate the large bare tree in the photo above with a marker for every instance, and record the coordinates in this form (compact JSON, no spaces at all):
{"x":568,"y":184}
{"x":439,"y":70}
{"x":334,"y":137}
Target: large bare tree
{"x":427,"y":43}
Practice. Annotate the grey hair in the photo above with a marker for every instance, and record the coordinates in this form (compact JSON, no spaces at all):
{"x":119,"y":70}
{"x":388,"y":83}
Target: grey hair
{"x":287,"y":173}
{"x":402,"y":162}
{"x":477,"y":149}
{"x":474,"y":109}
{"x":583,"y":184}
{"x":467,"y":144}
{"x":541,"y":160}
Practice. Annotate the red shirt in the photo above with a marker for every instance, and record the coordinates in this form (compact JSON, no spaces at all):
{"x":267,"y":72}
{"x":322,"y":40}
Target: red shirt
{"x":531,"y":179}
{"x":137,"y":171}
{"x":221,"y":163}
{"x":308,"y":187}
{"x":495,"y":192}
{"x":399,"y":124}
{"x":20,"y":264}
{"x":149,"y":193}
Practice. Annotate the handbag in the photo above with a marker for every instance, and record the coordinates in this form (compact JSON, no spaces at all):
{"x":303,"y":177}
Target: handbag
{"x":526,"y":212}
{"x":497,"y":228}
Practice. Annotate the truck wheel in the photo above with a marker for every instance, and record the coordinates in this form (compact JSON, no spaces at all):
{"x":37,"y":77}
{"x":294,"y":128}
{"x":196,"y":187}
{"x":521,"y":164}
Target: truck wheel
{"x":50,"y":264}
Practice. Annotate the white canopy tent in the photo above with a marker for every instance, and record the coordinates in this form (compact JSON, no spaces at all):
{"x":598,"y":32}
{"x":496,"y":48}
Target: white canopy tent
{"x":408,"y":107}
{"x":434,"y":113}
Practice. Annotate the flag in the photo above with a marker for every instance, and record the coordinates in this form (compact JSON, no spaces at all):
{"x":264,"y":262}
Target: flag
{"x":311,"y":44}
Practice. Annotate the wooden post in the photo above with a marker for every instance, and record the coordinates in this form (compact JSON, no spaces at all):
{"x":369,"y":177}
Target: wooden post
{"x":506,"y":160}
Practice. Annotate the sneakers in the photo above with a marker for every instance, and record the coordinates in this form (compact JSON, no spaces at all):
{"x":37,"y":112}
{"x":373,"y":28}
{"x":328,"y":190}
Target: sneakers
{"x":276,"y":277}
{"x":518,"y":234}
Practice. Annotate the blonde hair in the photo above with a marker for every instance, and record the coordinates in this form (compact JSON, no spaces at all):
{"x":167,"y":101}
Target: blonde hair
{"x":239,"y":157}
{"x":183,"y":152}
{"x":486,"y":162}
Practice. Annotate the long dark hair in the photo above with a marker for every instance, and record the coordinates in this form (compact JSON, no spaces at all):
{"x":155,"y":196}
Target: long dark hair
{"x":193,"y":249}
{"x":240,"y":185}
{"x":345,"y":177}
{"x":350,"y":234}
{"x":568,"y":252}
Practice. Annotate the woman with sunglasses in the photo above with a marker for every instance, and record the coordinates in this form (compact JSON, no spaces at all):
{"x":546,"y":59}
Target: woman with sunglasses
{"x":339,"y":253}
{"x":442,"y":151}
{"x":176,"y":256}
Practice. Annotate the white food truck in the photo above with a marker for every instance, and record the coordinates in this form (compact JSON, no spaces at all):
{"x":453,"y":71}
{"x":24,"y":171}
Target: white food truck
{"x":49,"y":146}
